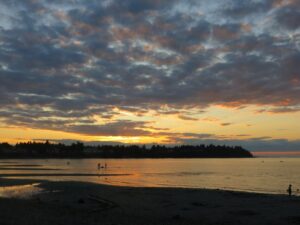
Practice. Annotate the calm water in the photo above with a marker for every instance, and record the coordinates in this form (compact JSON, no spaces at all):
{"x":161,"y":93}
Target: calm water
{"x":267,"y":175}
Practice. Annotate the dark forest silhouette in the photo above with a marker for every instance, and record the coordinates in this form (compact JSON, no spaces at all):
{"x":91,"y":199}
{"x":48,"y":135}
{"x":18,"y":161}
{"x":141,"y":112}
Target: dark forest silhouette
{"x":79,"y":150}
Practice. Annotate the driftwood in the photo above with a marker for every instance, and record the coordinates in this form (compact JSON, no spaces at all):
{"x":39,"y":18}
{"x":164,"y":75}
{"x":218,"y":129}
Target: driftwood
{"x":104,"y":204}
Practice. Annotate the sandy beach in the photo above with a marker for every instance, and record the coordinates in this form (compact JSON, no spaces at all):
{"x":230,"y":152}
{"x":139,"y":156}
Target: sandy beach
{"x":87,"y":203}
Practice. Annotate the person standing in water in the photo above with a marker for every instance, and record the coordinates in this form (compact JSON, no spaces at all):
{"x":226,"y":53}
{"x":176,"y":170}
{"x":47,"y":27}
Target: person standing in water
{"x":289,"y":190}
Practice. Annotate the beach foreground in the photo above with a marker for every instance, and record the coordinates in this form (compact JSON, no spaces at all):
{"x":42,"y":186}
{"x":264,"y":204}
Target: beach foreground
{"x":77,"y":203}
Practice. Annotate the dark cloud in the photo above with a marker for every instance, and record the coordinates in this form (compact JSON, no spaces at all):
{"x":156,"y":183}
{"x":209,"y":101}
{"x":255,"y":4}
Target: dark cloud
{"x":136,"y":6}
{"x":289,"y":17}
{"x":226,"y":124}
{"x":226,"y":32}
{"x":235,"y":8}
{"x":118,"y":128}
{"x":71,"y":141}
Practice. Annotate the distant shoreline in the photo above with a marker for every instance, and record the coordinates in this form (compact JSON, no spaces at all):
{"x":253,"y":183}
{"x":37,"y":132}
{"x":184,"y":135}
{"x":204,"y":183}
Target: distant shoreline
{"x":267,"y":154}
{"x":79,"y":150}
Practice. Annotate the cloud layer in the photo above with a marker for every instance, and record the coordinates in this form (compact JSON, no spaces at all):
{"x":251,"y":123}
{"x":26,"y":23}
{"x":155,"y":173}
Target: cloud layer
{"x":63,"y":62}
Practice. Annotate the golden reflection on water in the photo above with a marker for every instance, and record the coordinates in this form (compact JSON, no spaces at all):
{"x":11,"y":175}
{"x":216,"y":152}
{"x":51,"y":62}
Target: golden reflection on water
{"x":20,"y":191}
{"x":266,"y":175}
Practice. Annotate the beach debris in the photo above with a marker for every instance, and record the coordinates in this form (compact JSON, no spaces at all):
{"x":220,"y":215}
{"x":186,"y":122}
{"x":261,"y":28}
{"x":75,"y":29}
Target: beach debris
{"x":103,"y":204}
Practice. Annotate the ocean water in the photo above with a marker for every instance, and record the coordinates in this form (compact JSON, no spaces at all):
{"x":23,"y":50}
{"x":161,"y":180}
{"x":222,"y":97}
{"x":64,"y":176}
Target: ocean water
{"x":264,"y":175}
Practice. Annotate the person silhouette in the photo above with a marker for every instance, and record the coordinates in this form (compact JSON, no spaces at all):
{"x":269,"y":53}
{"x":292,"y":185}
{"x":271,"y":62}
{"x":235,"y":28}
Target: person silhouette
{"x":289,"y":190}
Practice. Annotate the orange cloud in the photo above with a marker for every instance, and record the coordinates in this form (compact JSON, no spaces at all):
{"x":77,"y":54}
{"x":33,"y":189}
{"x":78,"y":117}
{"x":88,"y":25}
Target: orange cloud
{"x":281,"y":3}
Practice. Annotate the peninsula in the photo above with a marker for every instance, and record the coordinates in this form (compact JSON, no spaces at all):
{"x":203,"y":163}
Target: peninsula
{"x":79,"y":150}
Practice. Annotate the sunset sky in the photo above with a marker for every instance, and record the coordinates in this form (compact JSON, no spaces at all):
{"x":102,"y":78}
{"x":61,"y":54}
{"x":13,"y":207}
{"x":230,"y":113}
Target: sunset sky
{"x":151,"y":71}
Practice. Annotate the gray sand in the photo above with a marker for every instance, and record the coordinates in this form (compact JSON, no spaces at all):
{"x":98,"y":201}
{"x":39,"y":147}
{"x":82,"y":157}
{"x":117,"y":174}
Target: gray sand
{"x":77,"y":203}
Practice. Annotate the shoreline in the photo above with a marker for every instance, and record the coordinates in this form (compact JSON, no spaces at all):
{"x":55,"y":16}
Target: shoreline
{"x":70,"y":202}
{"x":7,"y":180}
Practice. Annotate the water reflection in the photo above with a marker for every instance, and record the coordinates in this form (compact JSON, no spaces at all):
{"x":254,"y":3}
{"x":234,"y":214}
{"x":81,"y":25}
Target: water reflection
{"x":20,"y":191}
{"x":271,"y":176}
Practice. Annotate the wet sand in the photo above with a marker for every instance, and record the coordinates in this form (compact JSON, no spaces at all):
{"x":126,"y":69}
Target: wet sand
{"x":81,"y":203}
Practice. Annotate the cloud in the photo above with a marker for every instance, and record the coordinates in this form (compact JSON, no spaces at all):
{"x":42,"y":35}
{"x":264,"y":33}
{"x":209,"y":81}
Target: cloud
{"x":289,"y":17}
{"x":236,"y":8}
{"x":118,"y":128}
{"x":277,"y":110}
{"x":184,"y":117}
{"x":211,"y":119}
{"x":226,"y":124}
{"x":71,"y":141}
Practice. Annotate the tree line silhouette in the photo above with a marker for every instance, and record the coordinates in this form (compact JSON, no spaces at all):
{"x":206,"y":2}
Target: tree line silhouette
{"x":79,"y":150}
